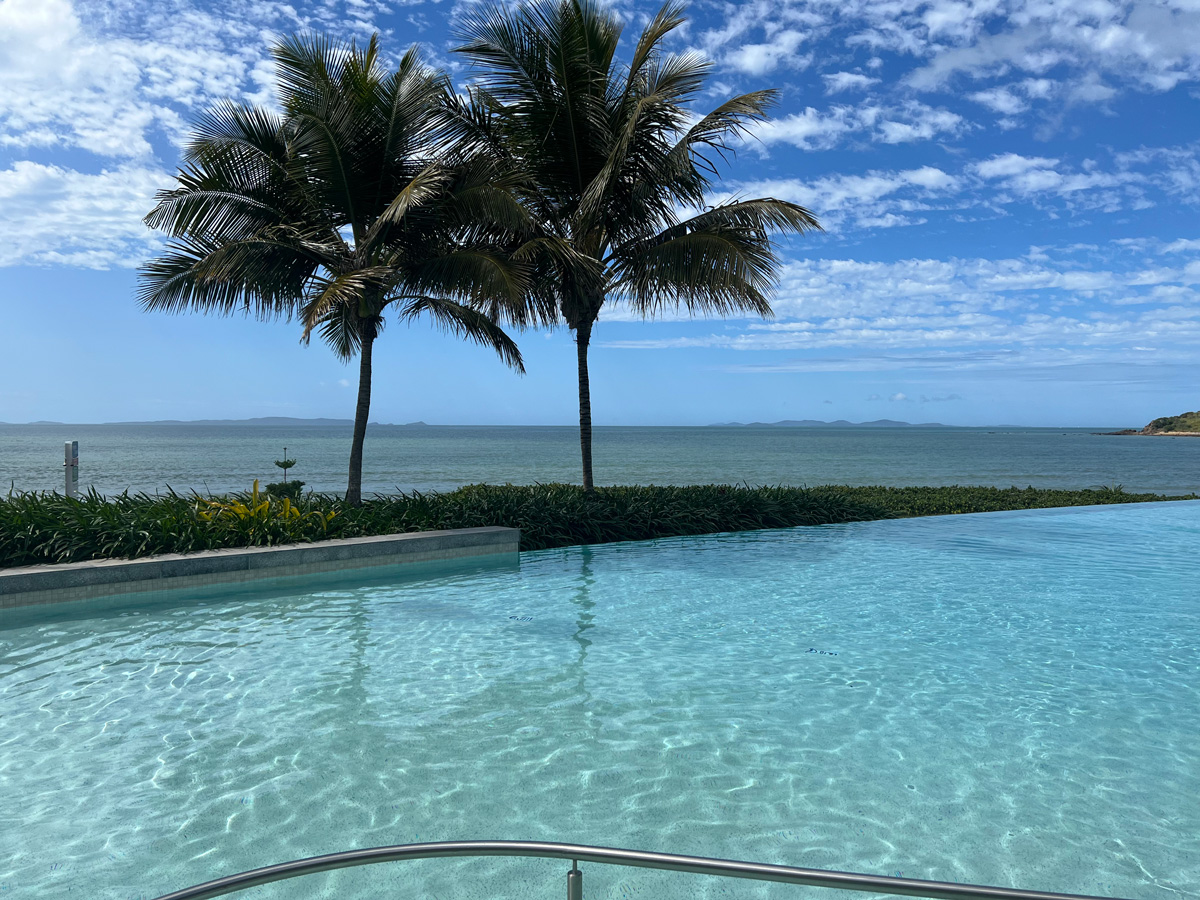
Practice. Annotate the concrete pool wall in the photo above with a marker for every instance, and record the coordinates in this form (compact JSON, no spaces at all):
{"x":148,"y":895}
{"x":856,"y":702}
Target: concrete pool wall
{"x":39,"y":585}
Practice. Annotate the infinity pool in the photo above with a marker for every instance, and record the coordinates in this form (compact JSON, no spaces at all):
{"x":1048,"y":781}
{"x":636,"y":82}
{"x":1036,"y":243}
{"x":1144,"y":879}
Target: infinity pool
{"x":1009,"y":699}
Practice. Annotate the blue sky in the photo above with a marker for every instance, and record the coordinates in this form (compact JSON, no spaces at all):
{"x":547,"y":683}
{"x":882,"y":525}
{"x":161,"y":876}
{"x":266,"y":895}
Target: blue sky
{"x":1010,"y":192}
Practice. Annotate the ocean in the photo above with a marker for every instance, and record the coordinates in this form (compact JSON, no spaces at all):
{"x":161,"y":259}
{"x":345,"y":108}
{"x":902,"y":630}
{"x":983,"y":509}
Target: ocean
{"x":221,"y":458}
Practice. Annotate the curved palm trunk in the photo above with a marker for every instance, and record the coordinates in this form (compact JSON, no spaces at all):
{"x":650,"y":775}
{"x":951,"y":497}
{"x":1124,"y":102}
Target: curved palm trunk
{"x":583,"y":335}
{"x":361,"y":412}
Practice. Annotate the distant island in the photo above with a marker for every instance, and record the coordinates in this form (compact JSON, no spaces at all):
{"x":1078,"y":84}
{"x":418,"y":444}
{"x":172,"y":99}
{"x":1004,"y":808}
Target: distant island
{"x":1182,"y":425}
{"x":260,"y":422}
{"x":839,"y":423}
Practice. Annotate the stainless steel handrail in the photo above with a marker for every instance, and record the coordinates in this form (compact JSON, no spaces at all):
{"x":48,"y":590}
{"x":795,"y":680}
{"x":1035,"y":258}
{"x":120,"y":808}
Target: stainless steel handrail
{"x":577,"y":853}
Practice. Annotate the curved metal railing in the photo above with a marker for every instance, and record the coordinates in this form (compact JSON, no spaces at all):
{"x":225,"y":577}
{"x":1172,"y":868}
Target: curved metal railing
{"x":577,"y":853}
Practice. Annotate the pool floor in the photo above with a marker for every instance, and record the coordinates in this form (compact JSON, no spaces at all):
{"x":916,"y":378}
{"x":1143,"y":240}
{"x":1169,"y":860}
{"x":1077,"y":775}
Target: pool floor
{"x":1008,"y":699}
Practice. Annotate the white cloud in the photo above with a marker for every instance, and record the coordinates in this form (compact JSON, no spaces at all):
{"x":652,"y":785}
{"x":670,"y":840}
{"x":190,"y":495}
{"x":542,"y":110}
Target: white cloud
{"x":101,"y":83}
{"x":917,"y":122}
{"x":1073,"y":51}
{"x":942,"y":308}
{"x":115,"y":77}
{"x":1153,"y":46}
{"x":810,"y":129}
{"x":1176,"y":168}
{"x":930,"y":178}
{"x":56,"y":216}
{"x":815,"y":130}
{"x":837,"y":82}
{"x":1012,"y":165}
{"x":865,"y":200}
{"x":1182,"y":245}
{"x":758,"y":59}
{"x":1000,"y":100}
{"x":981,"y":189}
{"x":68,"y":86}
{"x":1030,"y":176}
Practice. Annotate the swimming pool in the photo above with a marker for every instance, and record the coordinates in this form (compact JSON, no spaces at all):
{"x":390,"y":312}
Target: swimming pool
{"x":1008,"y":698}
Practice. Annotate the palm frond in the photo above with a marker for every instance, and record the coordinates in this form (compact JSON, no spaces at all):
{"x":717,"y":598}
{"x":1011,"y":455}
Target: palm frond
{"x":708,"y":272}
{"x":361,"y":292}
{"x":465,"y":322}
{"x":342,"y":330}
{"x":640,"y":147}
{"x":412,"y":105}
{"x":427,"y":185}
{"x":211,"y":212}
{"x":505,"y":43}
{"x":308,"y":67}
{"x":716,"y":131}
{"x":263,"y":278}
{"x":718,"y":261}
{"x":668,"y":18}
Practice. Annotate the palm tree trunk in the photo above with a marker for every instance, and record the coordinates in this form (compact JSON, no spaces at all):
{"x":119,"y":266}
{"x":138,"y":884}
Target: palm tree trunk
{"x":361,"y":412}
{"x":583,"y":335}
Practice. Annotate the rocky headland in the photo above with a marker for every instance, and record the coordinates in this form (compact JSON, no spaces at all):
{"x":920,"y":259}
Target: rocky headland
{"x":1183,"y":425}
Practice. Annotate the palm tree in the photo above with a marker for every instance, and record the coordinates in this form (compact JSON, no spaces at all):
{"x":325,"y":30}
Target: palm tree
{"x":347,"y":203}
{"x":610,"y":154}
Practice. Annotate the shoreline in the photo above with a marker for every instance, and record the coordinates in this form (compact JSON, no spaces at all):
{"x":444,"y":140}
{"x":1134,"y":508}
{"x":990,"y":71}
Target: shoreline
{"x":1130,"y":432}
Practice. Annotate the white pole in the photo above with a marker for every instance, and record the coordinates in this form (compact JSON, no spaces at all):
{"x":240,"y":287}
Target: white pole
{"x":71,"y":467}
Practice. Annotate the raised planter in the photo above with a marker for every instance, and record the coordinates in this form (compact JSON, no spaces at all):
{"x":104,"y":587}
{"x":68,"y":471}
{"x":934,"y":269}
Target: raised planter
{"x":33,"y":585}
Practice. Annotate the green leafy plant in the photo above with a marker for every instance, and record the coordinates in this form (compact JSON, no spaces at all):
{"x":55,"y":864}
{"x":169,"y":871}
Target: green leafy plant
{"x":285,"y":489}
{"x":255,"y":515}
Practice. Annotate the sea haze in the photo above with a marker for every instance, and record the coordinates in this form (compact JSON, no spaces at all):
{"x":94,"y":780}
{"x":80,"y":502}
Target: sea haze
{"x":223,"y":457}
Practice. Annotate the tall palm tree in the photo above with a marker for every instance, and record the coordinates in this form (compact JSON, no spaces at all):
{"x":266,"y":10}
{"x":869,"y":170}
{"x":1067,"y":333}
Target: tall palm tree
{"x":346,"y":204}
{"x":610,"y":155}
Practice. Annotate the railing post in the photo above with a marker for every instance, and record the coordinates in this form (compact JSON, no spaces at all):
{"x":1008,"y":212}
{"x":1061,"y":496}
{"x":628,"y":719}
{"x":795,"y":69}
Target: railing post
{"x":574,"y":882}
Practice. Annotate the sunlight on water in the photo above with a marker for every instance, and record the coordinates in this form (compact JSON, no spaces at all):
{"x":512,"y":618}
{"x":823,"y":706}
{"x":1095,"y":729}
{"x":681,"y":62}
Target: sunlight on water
{"x":1009,"y":699}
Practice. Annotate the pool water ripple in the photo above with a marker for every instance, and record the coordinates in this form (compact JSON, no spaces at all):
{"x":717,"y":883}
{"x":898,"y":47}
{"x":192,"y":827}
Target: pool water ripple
{"x":1009,"y":699}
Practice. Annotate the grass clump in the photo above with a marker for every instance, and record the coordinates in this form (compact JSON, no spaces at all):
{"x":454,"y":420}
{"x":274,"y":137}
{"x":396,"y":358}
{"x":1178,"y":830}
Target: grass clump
{"x":560,"y":515}
{"x":904,"y":502}
{"x":49,"y":528}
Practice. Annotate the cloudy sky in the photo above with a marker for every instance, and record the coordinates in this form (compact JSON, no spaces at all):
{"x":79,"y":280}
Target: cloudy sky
{"x":1009,"y":188}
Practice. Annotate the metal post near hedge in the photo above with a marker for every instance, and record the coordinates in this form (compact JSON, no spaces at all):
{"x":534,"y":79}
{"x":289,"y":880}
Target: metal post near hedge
{"x":71,"y":467}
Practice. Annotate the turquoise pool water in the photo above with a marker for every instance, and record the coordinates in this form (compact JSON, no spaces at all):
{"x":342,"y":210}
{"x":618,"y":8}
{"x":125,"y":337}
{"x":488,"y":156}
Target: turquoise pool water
{"x":1010,"y":699}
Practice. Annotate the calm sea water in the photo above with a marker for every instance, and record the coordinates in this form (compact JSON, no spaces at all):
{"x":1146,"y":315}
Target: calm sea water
{"x":1004,"y":699}
{"x":223,"y":458}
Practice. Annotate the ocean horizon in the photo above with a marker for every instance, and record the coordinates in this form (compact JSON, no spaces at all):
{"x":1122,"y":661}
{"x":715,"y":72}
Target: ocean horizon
{"x":219,"y":458}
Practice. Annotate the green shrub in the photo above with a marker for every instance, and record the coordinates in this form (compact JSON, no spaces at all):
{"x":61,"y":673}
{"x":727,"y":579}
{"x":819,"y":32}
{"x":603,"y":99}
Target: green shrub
{"x":281,"y":489}
{"x":50,"y":528}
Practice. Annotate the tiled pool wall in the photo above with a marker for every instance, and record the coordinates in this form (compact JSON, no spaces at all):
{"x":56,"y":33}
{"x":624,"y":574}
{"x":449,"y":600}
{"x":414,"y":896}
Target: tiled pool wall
{"x":149,"y":578}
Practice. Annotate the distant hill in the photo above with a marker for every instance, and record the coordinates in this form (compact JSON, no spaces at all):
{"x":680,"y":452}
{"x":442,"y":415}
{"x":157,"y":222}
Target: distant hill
{"x":260,"y":422}
{"x":839,"y":423}
{"x":1184,"y":423}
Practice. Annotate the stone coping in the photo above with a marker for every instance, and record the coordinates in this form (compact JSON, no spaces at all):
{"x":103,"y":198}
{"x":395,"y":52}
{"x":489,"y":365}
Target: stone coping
{"x":36,"y":585}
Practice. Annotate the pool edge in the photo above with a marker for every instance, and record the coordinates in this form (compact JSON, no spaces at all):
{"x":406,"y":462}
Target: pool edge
{"x":68,"y":582}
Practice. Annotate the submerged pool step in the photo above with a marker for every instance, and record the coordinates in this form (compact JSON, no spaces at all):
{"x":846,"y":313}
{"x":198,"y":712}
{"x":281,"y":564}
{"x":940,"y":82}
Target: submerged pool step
{"x":36,"y":585}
